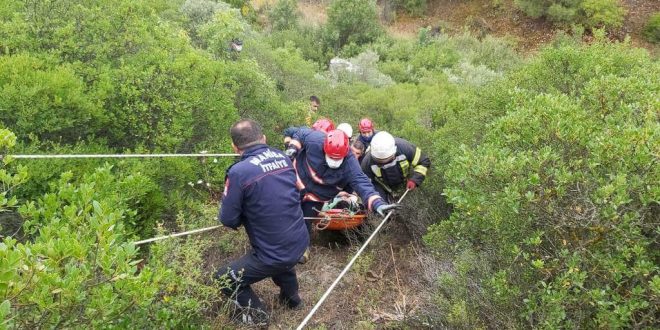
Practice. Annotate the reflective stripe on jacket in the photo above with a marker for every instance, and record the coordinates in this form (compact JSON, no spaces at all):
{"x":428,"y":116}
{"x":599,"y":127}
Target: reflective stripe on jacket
{"x":409,"y":163}
{"x":321,"y":183}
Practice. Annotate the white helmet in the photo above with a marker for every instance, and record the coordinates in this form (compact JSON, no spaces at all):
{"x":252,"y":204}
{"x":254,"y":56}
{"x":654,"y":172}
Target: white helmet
{"x":383,"y":146}
{"x":346,"y":128}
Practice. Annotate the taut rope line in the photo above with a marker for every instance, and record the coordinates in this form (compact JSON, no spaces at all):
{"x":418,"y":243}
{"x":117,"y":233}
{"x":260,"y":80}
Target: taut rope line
{"x":348,"y":266}
{"x":116,"y":156}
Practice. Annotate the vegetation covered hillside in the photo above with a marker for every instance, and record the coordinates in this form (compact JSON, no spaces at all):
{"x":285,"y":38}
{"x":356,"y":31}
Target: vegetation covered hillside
{"x":540,"y":210}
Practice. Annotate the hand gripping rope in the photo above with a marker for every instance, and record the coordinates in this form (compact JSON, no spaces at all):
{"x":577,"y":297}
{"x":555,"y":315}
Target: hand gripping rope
{"x":345,"y":270}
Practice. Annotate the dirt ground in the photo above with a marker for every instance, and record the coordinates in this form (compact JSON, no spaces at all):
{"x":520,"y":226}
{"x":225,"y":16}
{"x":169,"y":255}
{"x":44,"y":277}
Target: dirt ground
{"x":387,"y":287}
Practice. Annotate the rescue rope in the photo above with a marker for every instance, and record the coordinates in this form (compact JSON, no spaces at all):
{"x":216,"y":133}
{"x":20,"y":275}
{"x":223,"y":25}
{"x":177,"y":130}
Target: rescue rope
{"x":201,"y":230}
{"x":190,"y":232}
{"x":115,"y":156}
{"x":345,"y":270}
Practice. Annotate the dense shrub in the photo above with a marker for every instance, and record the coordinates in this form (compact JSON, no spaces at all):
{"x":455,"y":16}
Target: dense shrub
{"x":225,"y":25}
{"x":592,"y":13}
{"x":284,"y":15}
{"x":412,"y":7}
{"x":562,"y":14}
{"x":603,"y":13}
{"x":652,"y":29}
{"x":77,"y":268}
{"x":362,"y":68}
{"x":295,"y":78}
{"x":309,"y":41}
{"x":352,"y":21}
{"x":45,"y":100}
{"x":120,"y":73}
{"x":556,"y":202}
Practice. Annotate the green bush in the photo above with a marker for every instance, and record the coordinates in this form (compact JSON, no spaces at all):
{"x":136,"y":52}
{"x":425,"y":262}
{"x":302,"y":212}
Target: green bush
{"x":47,"y":101}
{"x":295,"y":78}
{"x":592,"y":13}
{"x":352,"y":21}
{"x":603,"y":13}
{"x":284,"y":15}
{"x":77,"y":268}
{"x":560,"y":14}
{"x":555,"y":198}
{"x":412,"y":7}
{"x":652,"y":29}
{"x":533,"y":8}
{"x":435,"y":56}
{"x":309,"y":41}
{"x":131,"y":85}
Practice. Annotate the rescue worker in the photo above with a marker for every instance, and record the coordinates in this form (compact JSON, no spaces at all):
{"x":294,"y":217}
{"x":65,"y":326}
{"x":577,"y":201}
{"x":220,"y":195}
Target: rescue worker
{"x":314,"y":104}
{"x":393,"y":162}
{"x":367,"y":132}
{"x":358,"y":149}
{"x":323,"y":124}
{"x":346,"y":128}
{"x":235,"y":48}
{"x":261,"y":195}
{"x":325,"y":167}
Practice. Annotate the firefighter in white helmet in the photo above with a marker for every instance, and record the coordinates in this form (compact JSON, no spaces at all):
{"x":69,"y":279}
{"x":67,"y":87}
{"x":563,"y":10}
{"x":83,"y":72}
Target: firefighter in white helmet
{"x":346,"y":128}
{"x":393,"y":162}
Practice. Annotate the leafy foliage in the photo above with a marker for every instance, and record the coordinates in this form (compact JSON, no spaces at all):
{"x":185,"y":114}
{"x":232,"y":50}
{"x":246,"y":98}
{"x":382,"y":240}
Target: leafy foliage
{"x":592,"y":13}
{"x":284,"y":15}
{"x":47,"y":101}
{"x":549,"y":163}
{"x":603,"y":13}
{"x":556,"y":196}
{"x":352,"y":21}
{"x":412,"y":7}
{"x":652,"y":29}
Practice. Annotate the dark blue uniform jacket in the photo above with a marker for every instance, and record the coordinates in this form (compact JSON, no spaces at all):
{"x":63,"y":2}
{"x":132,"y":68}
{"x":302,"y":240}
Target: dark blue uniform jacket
{"x":261,"y":194}
{"x":320,"y":183}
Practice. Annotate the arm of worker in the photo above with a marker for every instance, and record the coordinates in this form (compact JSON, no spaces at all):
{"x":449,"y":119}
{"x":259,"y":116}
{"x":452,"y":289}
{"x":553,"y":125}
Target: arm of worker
{"x":362,"y":184}
{"x":232,"y":197}
{"x":291,"y":131}
{"x":419,"y":161}
{"x":297,"y":141}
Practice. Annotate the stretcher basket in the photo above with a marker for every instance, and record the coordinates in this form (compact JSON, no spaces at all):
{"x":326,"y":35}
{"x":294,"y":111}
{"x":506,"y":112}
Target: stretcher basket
{"x":339,"y":219}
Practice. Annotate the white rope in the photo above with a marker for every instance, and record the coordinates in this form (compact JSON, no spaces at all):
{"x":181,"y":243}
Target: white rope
{"x":345,"y":270}
{"x":190,"y":232}
{"x":117,"y":156}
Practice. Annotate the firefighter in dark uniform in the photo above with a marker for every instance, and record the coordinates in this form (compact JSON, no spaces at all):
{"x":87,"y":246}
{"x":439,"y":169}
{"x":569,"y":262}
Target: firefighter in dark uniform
{"x":367,"y":132}
{"x":393,"y":162}
{"x":325,"y":167}
{"x":261,"y":195}
{"x":323,"y":125}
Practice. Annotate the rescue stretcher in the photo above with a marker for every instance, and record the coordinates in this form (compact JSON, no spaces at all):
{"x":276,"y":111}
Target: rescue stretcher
{"x":340,"y":214}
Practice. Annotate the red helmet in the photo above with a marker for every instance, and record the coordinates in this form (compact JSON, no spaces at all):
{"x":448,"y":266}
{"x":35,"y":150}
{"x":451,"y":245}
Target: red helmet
{"x":323,"y":125}
{"x":336,"y":144}
{"x":366,"y":125}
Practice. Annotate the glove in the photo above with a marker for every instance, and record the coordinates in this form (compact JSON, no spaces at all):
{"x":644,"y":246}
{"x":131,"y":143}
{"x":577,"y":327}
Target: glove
{"x":411,"y":185}
{"x":386,"y":207}
{"x":291,"y":152}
